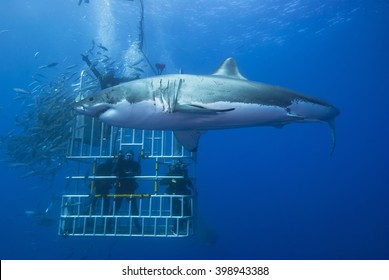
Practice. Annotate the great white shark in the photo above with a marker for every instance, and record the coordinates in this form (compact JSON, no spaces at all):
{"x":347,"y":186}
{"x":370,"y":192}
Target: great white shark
{"x":192,"y":104}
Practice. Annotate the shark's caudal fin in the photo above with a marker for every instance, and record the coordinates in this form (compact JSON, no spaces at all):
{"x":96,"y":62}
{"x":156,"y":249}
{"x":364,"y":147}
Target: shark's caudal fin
{"x":189,"y":138}
{"x":331,"y":123}
{"x":229,"y":69}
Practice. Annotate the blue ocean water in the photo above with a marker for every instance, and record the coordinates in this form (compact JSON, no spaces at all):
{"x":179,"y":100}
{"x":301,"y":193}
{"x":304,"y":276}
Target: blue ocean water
{"x":264,"y":193}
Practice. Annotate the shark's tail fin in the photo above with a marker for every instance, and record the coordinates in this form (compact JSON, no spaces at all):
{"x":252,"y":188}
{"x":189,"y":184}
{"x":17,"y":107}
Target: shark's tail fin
{"x":331,"y":123}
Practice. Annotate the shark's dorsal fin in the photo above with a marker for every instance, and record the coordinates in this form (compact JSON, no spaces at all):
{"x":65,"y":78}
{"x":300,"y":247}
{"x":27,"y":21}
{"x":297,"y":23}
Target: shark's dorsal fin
{"x":229,"y":69}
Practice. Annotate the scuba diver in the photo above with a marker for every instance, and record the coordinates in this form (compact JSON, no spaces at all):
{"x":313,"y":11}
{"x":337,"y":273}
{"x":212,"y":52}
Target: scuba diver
{"x":125,"y":168}
{"x":160,"y":67}
{"x":181,"y":206}
{"x":102,"y":186}
{"x":107,"y":80}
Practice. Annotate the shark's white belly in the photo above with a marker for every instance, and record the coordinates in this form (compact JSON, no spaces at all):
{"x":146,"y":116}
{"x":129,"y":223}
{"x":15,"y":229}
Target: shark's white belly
{"x":149,"y":115}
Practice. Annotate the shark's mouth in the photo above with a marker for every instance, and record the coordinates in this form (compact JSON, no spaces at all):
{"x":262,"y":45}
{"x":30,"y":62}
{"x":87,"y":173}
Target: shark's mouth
{"x":94,"y":111}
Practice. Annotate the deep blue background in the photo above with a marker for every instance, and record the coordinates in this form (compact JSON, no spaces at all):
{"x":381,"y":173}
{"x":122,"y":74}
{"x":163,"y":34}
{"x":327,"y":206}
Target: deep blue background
{"x":266,"y":193}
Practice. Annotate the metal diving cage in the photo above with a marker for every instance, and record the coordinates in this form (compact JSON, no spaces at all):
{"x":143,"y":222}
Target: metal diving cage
{"x":150,"y":211}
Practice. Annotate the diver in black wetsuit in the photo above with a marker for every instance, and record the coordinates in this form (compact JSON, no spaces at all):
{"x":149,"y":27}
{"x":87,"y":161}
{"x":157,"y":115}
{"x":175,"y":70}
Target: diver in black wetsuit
{"x":102,"y":186}
{"x":160,"y":67}
{"x":181,"y":206}
{"x":125,"y":168}
{"x":107,"y":80}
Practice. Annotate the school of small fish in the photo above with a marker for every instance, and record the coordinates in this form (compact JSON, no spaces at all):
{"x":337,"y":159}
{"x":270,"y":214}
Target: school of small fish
{"x":38,"y":144}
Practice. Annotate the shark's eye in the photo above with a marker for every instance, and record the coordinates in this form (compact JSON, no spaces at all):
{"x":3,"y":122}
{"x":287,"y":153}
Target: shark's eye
{"x":90,"y":98}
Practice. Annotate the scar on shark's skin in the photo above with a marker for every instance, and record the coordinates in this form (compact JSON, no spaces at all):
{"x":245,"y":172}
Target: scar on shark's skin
{"x":192,"y":104}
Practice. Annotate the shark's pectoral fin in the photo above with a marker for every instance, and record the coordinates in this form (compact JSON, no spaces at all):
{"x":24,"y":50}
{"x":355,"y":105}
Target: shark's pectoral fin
{"x":192,"y":108}
{"x":189,"y":138}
